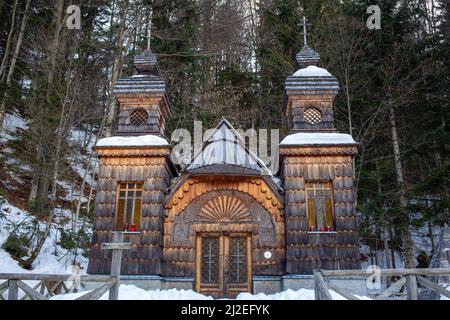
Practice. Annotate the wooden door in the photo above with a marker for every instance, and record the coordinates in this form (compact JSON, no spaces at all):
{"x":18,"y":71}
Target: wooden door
{"x":223,"y":264}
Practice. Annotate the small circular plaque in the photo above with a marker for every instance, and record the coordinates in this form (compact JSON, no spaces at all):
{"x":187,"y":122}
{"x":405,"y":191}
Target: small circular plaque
{"x":267,"y":254}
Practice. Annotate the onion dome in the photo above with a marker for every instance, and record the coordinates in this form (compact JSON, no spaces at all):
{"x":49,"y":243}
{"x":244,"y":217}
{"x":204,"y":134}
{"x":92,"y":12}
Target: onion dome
{"x":147,"y":77}
{"x":147,"y":63}
{"x":311,"y":80}
{"x":307,"y":57}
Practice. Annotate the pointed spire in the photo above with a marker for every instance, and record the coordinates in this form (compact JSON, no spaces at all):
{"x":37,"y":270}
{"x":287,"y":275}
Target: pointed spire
{"x":149,"y":35}
{"x":146,"y":62}
{"x":306,"y":56}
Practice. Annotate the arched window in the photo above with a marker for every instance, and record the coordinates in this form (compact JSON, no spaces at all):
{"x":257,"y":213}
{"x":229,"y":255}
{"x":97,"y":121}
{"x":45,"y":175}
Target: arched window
{"x":139,"y":117}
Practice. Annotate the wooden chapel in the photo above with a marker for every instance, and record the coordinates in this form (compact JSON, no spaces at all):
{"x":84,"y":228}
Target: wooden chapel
{"x":225,"y":223}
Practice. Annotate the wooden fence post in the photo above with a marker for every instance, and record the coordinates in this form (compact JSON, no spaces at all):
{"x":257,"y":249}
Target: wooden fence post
{"x":117,"y":246}
{"x":13,"y":290}
{"x":321,"y":291}
{"x":411,"y":287}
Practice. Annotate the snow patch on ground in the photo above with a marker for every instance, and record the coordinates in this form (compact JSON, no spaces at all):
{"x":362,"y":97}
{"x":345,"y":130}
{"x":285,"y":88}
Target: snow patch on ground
{"x":12,"y":122}
{"x":301,"y":294}
{"x":131,"y":292}
{"x":52,"y":258}
{"x":138,"y":141}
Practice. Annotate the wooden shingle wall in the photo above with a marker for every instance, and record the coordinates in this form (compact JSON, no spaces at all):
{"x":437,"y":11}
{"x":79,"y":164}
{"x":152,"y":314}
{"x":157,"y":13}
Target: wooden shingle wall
{"x":134,"y":165}
{"x":156,"y":106}
{"x":155,"y":122}
{"x":297,"y":104}
{"x":308,"y":251}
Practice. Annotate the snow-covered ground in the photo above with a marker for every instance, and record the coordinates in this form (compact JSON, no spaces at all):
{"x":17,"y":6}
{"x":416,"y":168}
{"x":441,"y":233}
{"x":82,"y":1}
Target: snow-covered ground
{"x":52,"y":258}
{"x":131,"y":292}
{"x":12,"y":123}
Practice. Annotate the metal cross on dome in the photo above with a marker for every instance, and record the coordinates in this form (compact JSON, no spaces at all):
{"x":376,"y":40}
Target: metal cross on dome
{"x":304,"y":24}
{"x":149,"y":34}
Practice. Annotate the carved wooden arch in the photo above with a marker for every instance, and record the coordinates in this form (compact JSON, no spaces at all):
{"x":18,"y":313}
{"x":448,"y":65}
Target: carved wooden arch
{"x":223,"y":211}
{"x":194,"y":187}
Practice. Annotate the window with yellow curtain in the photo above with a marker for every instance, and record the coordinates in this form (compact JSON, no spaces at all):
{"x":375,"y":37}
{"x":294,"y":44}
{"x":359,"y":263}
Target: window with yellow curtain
{"x":129,"y":206}
{"x":320,"y":206}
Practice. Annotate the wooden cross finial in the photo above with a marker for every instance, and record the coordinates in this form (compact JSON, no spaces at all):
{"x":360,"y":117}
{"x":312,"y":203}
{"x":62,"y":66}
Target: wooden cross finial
{"x":304,"y":24}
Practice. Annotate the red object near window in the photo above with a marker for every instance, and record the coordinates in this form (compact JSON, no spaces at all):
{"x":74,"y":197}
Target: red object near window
{"x":133,"y":228}
{"x":322,"y":229}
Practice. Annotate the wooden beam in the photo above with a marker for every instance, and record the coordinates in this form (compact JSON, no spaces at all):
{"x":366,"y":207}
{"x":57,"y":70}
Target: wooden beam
{"x":116,"y":263}
{"x":25,"y":297}
{"x":340,"y":291}
{"x":30,"y":291}
{"x":387,"y":272}
{"x":321,"y":291}
{"x":97,"y":293}
{"x":116,"y":246}
{"x":411,"y":287}
{"x":13,"y":290}
{"x":3,"y":286}
{"x":433,"y":286}
{"x":53,"y":277}
{"x":393,"y":288}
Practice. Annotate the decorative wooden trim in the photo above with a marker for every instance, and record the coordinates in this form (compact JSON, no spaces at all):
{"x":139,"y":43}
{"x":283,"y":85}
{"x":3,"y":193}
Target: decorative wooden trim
{"x":249,"y":263}
{"x":293,"y":100}
{"x":318,"y":150}
{"x":194,"y":187}
{"x":198,"y":259}
{"x":133,"y":151}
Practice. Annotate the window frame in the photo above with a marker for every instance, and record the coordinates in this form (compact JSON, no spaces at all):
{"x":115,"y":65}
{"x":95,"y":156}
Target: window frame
{"x":333,"y":217}
{"x":133,"y":217}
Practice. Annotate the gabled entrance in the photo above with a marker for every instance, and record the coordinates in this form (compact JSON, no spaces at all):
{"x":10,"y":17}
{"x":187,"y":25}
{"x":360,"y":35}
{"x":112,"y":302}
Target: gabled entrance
{"x":223,"y":264}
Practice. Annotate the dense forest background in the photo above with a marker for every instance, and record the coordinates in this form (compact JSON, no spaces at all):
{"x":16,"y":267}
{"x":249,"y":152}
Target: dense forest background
{"x":230,"y":58}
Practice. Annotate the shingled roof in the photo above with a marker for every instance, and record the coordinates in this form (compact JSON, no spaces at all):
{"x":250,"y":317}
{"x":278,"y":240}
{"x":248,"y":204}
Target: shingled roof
{"x":147,"y":77}
{"x":307,"y":57}
{"x":225,"y":152}
{"x":147,"y":63}
{"x":296,"y":84}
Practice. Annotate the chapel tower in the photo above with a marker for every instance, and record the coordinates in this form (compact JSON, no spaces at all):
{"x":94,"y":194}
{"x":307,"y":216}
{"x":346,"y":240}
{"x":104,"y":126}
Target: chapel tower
{"x":134,"y":174}
{"x":317,"y":170}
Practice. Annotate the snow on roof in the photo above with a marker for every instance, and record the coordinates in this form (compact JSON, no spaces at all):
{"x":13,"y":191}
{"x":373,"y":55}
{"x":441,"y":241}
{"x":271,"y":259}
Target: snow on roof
{"x":312,"y":71}
{"x":317,"y":138}
{"x":133,"y":141}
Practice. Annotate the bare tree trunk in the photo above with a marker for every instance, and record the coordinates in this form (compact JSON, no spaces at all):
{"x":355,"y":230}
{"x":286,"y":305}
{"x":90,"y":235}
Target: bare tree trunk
{"x":385,"y":232}
{"x":406,"y":233}
{"x":53,"y":52}
{"x":117,"y":69}
{"x":12,"y":67}
{"x":44,"y":183}
{"x":8,"y":41}
{"x":19,"y":43}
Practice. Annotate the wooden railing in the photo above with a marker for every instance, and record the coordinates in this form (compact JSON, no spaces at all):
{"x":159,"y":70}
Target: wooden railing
{"x":408,"y":277}
{"x":51,"y":284}
{"x":54,"y":284}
